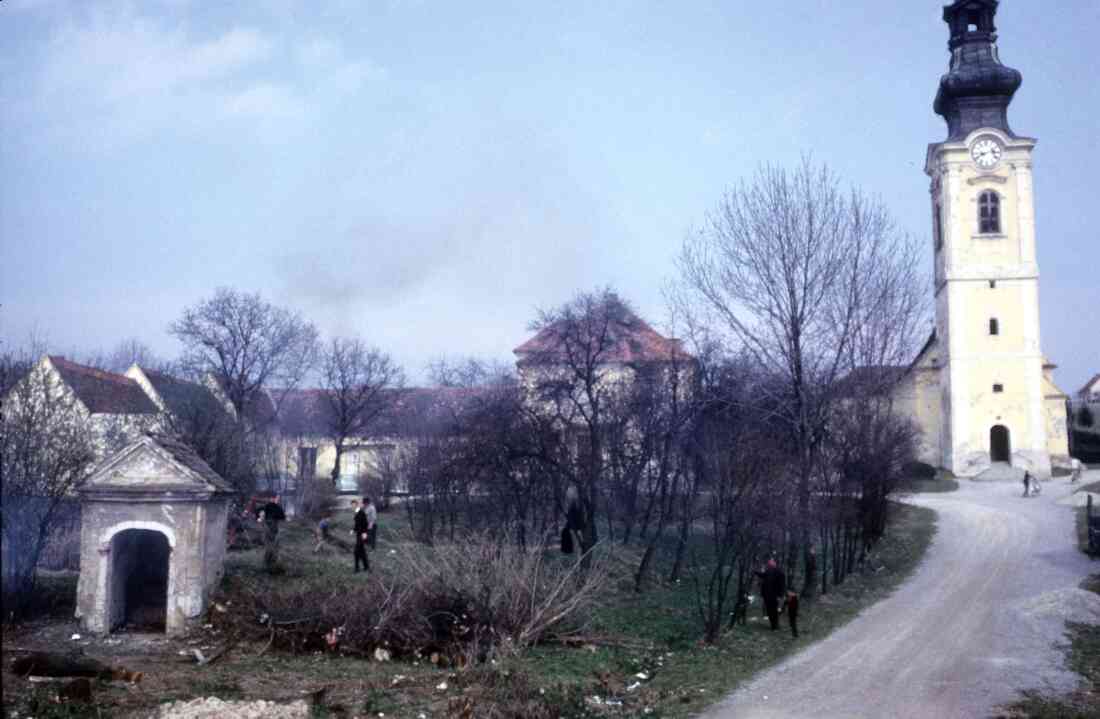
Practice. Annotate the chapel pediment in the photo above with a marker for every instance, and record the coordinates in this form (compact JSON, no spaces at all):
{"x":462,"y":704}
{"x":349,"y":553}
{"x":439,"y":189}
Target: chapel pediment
{"x":155,"y":464}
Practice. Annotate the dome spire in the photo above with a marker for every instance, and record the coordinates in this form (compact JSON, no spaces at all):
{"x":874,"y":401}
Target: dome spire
{"x":977,"y":88}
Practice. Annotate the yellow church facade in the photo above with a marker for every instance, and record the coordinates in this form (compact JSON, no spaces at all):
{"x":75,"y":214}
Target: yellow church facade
{"x":981,"y":390}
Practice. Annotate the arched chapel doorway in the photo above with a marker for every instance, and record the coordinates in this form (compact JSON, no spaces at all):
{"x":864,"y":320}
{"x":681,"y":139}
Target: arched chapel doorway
{"x":139,"y":580}
{"x":1000,"y":446}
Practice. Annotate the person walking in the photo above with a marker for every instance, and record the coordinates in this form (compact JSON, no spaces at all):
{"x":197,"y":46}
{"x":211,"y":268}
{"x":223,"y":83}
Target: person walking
{"x":1027,"y":483}
{"x":270,"y":515}
{"x":773,"y":585}
{"x":321,"y":534}
{"x":792,"y":613}
{"x":361,"y":531}
{"x":372,"y":522}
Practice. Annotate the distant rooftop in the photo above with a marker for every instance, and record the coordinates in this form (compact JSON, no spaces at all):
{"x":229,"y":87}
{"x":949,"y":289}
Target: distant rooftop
{"x":630,"y":341}
{"x":103,"y":392}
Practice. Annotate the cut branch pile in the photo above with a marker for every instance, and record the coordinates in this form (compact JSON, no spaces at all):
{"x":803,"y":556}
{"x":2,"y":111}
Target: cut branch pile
{"x":453,"y":605}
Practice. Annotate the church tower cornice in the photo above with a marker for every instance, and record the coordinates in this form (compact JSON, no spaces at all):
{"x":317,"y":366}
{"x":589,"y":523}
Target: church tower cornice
{"x":977,"y":89}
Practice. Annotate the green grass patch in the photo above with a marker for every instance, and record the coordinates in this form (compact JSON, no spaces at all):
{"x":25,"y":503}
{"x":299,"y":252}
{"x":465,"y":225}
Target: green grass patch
{"x":1084,"y":658}
{"x":683,"y":675}
{"x":655,"y":633}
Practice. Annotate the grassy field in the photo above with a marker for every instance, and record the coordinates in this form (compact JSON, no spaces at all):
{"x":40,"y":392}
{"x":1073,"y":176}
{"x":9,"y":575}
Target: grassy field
{"x":640,"y":654}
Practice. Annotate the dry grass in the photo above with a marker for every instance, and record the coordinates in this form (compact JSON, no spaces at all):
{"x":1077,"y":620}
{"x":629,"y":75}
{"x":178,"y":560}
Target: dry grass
{"x":465,"y":602}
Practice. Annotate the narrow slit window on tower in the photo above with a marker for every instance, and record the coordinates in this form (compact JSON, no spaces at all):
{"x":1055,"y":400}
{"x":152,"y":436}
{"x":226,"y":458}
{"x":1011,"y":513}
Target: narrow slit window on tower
{"x":939,"y":226}
{"x":989,"y":213}
{"x":998,"y":388}
{"x":993,"y":284}
{"x":994,"y":326}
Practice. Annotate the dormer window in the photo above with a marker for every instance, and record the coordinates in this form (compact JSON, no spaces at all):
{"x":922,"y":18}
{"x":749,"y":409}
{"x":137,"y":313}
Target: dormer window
{"x":989,"y":213}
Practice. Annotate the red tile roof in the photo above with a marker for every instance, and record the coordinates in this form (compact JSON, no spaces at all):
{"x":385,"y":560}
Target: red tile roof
{"x":632,"y":341}
{"x":103,"y":392}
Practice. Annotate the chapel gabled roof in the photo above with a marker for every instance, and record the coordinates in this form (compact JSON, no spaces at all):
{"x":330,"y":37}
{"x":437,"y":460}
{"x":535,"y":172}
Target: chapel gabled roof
{"x":192,"y":475}
{"x":190,"y":459}
{"x":103,"y":392}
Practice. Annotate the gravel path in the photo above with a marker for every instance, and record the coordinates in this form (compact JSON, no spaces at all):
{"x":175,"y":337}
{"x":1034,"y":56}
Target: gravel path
{"x":981,"y":619}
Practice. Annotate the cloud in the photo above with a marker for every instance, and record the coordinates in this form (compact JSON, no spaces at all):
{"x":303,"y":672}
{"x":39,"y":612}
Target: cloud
{"x":265,"y":100}
{"x":105,"y":76}
{"x":118,"y":58}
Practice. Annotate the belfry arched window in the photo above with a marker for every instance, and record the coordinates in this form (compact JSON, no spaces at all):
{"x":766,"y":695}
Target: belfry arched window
{"x":989,"y":212}
{"x":994,"y":326}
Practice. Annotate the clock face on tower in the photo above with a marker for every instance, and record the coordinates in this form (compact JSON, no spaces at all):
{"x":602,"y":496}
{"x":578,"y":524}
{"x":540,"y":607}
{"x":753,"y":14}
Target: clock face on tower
{"x":986,"y":153}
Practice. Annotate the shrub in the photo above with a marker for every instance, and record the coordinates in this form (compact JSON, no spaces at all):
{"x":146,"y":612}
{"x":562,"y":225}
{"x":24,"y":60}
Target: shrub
{"x":462,"y":602}
{"x":918,"y":470}
{"x":62,"y":548}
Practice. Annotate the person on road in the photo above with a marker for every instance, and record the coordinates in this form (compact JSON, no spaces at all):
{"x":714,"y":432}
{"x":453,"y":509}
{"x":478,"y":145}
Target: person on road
{"x":1027,"y":483}
{"x":773,"y":585}
{"x":361,"y":532}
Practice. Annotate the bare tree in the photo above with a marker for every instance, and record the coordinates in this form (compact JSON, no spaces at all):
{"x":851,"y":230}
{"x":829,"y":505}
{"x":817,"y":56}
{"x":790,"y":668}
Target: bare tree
{"x":248,"y":347}
{"x":575,"y":380}
{"x":810,"y":280}
{"x":247,"y":344}
{"x":738,"y":460}
{"x":46,"y":449}
{"x":355,"y":378}
{"x":128,"y":352}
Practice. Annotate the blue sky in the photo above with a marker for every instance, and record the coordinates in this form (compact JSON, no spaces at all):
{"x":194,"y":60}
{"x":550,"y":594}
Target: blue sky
{"x":427,"y":174}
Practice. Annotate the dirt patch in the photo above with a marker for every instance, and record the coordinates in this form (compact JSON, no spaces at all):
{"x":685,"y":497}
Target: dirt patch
{"x":214,"y":708}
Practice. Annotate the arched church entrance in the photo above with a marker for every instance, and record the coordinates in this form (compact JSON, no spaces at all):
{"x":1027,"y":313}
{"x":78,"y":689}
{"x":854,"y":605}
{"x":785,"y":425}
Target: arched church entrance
{"x":139,"y":580}
{"x":1000,"y":447}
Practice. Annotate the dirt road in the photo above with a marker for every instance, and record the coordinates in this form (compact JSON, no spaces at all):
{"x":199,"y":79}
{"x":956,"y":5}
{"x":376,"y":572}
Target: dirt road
{"x":979,"y":621}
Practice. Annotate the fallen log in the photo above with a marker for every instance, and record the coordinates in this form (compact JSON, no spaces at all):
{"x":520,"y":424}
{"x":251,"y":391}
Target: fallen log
{"x":50,"y":664}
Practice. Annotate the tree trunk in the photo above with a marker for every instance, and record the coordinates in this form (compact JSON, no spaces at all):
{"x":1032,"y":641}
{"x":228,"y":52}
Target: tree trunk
{"x":336,"y":464}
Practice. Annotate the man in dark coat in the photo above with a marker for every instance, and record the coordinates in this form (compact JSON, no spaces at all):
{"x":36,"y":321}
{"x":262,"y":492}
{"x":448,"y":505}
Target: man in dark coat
{"x":773,"y":587}
{"x":361,"y":532}
{"x":271,"y":514}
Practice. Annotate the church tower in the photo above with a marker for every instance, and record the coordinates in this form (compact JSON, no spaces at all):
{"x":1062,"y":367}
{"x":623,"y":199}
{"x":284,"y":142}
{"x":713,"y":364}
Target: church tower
{"x":993,"y":379}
